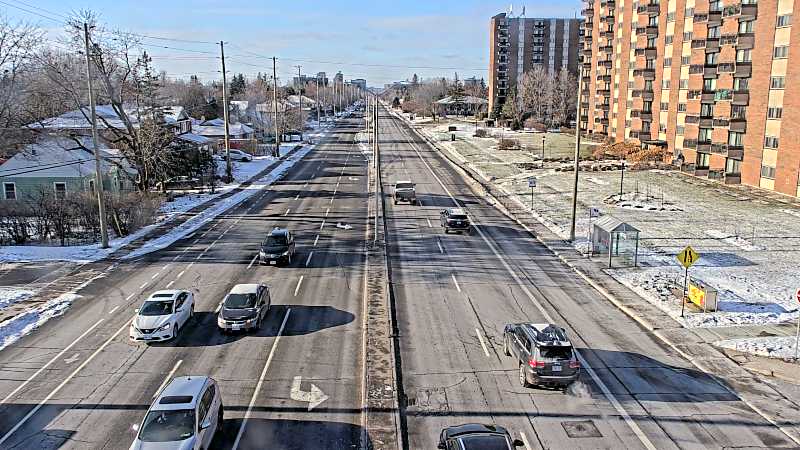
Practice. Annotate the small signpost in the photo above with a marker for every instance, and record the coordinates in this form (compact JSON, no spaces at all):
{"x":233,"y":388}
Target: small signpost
{"x":797,"y":338}
{"x":594,"y":213}
{"x":531,"y":184}
{"x":687,"y":257}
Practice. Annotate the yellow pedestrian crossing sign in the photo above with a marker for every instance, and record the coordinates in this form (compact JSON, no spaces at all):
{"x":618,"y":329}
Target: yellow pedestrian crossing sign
{"x":688,"y":256}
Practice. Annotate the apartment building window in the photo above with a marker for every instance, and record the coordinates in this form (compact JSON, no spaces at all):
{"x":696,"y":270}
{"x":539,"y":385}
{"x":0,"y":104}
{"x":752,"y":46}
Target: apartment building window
{"x":710,"y":84}
{"x":627,"y":124}
{"x":668,"y":39}
{"x":60,"y":190}
{"x":648,"y":85}
{"x":665,"y":83}
{"x":713,"y":32}
{"x":784,"y":20}
{"x":738,"y":111}
{"x":711,"y":58}
{"x":733,"y":166}
{"x":741,"y":84}
{"x":662,"y":128}
{"x":671,"y":16}
{"x":774,"y":112}
{"x":771,"y":141}
{"x":631,"y":84}
{"x":704,"y":135}
{"x":652,"y":42}
{"x":645,"y":127}
{"x":681,"y":107}
{"x":9,"y":191}
{"x":688,"y":12}
{"x":781,"y":52}
{"x":715,"y":5}
{"x":652,"y":21}
{"x":735,"y":139}
{"x":746,"y":26}
{"x":650,"y":64}
{"x":680,"y":129}
{"x":686,"y":60}
{"x":707,"y":110}
{"x":647,"y":106}
{"x":664,"y":106}
{"x":683,"y":84}
{"x":768,"y":172}
{"x":777,"y":82}
{"x":687,"y":36}
{"x":703,"y":159}
{"x":744,"y":55}
{"x":667,"y":62}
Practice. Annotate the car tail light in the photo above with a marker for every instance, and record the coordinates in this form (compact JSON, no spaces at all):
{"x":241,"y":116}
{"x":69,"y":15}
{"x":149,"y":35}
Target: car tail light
{"x":534,"y":363}
{"x":574,"y":364}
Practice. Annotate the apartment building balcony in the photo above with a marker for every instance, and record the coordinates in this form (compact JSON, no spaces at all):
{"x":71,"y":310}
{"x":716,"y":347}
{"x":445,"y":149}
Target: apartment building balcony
{"x":643,"y":114}
{"x":714,"y":17}
{"x":732,"y":178}
{"x":650,"y":30}
{"x":587,"y":64}
{"x":706,"y":122}
{"x":604,"y":107}
{"x":729,"y":39}
{"x":647,"y":74}
{"x":735,"y":152}
{"x":707,"y":96}
{"x":741,"y":98}
{"x":719,"y":148}
{"x":738,"y":125}
{"x":588,"y":11}
{"x":652,"y":9}
{"x":690,"y":143}
{"x":746,"y":41}
{"x":587,"y":51}
{"x":604,"y":78}
{"x":743,"y":69}
{"x":749,"y":11}
{"x":721,"y":122}
{"x":712,"y":44}
{"x":698,"y":43}
{"x":603,"y":92}
{"x":647,"y":52}
{"x":609,"y":3}
{"x":696,"y":68}
{"x":691,"y":119}
{"x":607,"y":63}
{"x":585,"y":105}
{"x":608,"y":34}
{"x":646,"y":95}
{"x":703,"y":147}
{"x":710,"y":71}
{"x":606,"y":49}
{"x":726,"y":68}
{"x":693,"y":169}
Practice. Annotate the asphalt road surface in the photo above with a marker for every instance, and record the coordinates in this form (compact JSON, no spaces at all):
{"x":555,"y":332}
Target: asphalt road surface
{"x":78,"y":382}
{"x":454,"y":294}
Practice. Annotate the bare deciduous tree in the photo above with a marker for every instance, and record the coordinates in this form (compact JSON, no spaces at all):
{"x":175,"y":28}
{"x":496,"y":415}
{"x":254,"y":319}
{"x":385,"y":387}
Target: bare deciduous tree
{"x":18,"y":42}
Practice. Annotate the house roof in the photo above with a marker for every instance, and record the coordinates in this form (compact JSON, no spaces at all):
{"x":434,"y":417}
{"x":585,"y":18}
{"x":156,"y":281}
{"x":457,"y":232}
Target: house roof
{"x":59,"y":157}
{"x":467,"y":99}
{"x":194,"y":138}
{"x":216,"y":128}
{"x":106,"y":117}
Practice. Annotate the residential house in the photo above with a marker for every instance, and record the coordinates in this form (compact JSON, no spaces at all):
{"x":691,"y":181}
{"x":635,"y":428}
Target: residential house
{"x":465,"y":105}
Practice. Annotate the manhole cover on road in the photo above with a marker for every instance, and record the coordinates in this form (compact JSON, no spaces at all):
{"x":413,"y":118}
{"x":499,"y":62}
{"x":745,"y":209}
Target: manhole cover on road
{"x":581,"y":429}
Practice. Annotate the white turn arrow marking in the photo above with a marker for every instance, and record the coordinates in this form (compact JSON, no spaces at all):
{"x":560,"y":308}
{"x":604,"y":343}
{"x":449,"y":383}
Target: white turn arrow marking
{"x":72,"y":359}
{"x":314,"y":397}
{"x":343,"y":226}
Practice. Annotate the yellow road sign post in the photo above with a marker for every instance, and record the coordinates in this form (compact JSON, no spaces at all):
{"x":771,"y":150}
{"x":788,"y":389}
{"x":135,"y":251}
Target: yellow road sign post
{"x":687,"y":257}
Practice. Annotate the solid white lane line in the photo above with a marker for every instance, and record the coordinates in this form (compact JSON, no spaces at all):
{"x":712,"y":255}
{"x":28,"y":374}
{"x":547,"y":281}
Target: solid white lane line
{"x":260,"y":382}
{"x":252,"y":261}
{"x":111,"y":311}
{"x":334,"y":195}
{"x":298,"y":197}
{"x":606,"y":392}
{"x":309,"y":258}
{"x":287,"y":212}
{"x":322,"y":225}
{"x":483,"y":344}
{"x":48,"y":363}
{"x":190,"y":265}
{"x":438,"y":243}
{"x":327,"y":211}
{"x":58,"y":388}
{"x":315,"y":240}
{"x":299,"y":282}
{"x":169,"y":284}
{"x":168,"y":377}
{"x":455,"y":282}
{"x":430,"y":225}
{"x":166,"y":267}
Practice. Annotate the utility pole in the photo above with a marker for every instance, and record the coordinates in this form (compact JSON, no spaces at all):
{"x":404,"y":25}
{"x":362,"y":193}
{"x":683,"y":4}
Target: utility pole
{"x":228,"y":167}
{"x":98,"y":173}
{"x":317,"y":92}
{"x":300,"y":96}
{"x":577,"y":155}
{"x":275,"y":106}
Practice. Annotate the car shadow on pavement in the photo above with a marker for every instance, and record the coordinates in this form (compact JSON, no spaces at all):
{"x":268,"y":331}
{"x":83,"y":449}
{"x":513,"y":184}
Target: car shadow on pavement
{"x":202,"y":330}
{"x":285,"y":434}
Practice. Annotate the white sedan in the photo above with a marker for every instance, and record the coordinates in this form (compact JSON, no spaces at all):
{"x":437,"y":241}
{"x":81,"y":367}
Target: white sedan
{"x":162,"y":315}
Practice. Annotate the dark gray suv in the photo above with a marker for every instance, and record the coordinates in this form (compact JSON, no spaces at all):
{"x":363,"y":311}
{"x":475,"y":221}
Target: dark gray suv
{"x":454,"y":219}
{"x":544,"y":354}
{"x":477,"y":436}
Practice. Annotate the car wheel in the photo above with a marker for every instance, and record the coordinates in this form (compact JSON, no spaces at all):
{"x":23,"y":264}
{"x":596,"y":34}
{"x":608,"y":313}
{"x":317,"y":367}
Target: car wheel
{"x":220,"y":418}
{"x":523,"y":379}
{"x":191,"y":313}
{"x":505,"y":347}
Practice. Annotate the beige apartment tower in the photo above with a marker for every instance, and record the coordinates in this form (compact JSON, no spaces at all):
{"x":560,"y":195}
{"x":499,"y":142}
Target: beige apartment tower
{"x":518,"y":44}
{"x":710,"y":80}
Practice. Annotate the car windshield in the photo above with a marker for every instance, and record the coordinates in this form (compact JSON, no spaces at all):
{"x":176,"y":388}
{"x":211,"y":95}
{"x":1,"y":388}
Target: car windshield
{"x":168,"y":426}
{"x":240,"y":301}
{"x":458,"y":217}
{"x":486,"y":442}
{"x":404,"y":186}
{"x":156,"y":308}
{"x":560,"y":352}
{"x":275,"y":241}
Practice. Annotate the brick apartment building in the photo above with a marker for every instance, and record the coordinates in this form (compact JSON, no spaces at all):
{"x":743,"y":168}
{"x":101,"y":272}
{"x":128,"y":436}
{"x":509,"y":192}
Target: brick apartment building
{"x":703,"y":78}
{"x":517,"y":44}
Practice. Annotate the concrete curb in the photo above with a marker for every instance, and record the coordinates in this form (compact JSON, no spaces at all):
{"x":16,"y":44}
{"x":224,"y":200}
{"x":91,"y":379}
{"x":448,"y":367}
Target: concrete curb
{"x":777,"y":422}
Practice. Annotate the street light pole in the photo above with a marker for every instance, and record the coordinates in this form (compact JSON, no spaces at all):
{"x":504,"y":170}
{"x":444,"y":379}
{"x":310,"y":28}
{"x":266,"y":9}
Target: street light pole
{"x":98,"y":173}
{"x":317,"y":92}
{"x":577,"y":155}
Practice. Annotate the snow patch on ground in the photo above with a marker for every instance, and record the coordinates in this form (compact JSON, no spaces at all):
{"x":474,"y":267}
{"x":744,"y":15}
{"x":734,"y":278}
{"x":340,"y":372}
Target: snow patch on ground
{"x":9,"y":296}
{"x":14,"y":329}
{"x":773,"y":347}
{"x":733,"y":240}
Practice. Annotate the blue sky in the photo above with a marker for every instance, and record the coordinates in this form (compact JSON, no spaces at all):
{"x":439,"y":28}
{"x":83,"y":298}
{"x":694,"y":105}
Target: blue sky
{"x":446,"y":35}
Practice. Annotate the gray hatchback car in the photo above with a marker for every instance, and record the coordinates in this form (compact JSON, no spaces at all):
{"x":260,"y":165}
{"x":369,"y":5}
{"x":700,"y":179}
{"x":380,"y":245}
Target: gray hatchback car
{"x":543,"y":352}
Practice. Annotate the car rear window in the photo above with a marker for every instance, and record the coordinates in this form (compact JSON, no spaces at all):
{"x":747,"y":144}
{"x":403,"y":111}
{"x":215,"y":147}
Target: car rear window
{"x":458,"y":217}
{"x":404,"y":185}
{"x":560,"y":352}
{"x":487,"y":442}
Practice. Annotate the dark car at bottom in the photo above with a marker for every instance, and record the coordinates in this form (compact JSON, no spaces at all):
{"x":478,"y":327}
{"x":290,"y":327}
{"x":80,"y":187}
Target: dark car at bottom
{"x":477,"y":436}
{"x":544,"y":353}
{"x":277,"y":247}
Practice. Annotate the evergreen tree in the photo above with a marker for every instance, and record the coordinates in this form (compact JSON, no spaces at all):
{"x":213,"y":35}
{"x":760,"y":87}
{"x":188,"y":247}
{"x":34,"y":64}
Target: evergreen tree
{"x":238,"y":85}
{"x":415,"y":80}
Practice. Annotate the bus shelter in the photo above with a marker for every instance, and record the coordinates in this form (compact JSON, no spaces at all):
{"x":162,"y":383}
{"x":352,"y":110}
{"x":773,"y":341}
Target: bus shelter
{"x":615,"y":239}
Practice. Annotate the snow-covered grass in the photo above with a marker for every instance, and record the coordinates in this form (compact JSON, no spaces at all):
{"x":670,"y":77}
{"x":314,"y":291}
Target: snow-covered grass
{"x":773,"y":347}
{"x":13,"y":329}
{"x":748,"y":245}
{"x":10,"y":295}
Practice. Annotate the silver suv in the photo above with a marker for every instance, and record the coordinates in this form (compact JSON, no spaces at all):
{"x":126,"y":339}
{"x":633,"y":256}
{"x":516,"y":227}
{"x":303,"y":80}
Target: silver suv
{"x":186,"y":414}
{"x":405,"y":191}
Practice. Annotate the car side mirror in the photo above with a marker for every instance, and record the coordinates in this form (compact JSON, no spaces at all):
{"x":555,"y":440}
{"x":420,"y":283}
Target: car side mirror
{"x":136,"y":310}
{"x":441,"y":445}
{"x":135,"y":428}
{"x":206,"y":424}
{"x":518,"y":443}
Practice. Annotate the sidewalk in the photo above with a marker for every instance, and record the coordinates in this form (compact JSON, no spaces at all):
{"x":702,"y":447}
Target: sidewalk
{"x":692,"y":344}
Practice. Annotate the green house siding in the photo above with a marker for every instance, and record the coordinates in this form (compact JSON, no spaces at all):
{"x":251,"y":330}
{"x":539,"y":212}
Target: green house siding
{"x":26,"y":187}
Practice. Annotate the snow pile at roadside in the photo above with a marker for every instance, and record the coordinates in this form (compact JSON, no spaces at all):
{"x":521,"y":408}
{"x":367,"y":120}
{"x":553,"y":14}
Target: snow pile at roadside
{"x":772,"y":347}
{"x":9,"y":296}
{"x":14,"y":329}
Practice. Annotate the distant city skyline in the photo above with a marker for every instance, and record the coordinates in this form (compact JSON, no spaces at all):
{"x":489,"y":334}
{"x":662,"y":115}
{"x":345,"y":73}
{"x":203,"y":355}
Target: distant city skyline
{"x":372,"y":40}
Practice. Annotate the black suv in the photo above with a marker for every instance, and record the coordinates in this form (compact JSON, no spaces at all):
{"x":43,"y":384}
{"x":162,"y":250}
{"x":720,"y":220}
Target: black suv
{"x":454,"y":219}
{"x":477,"y":436}
{"x":277,"y":247}
{"x":544,"y":353}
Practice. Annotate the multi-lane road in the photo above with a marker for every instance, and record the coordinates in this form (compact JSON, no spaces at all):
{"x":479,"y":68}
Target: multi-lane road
{"x":78,"y":382}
